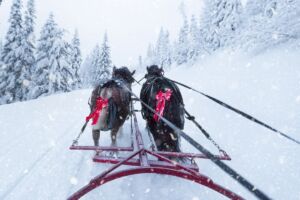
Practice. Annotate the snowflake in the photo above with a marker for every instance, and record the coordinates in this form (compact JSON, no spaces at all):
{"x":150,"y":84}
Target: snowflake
{"x":73,"y":180}
{"x":26,"y":82}
{"x":147,"y":190}
{"x":52,"y":77}
{"x":275,"y":36}
{"x":298,"y":99}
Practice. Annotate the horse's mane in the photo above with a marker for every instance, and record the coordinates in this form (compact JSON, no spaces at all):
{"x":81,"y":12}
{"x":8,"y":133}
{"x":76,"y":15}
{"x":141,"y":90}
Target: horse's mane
{"x":124,"y":74}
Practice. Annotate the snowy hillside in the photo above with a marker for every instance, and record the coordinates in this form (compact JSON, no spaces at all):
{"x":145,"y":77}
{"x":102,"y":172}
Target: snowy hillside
{"x":35,"y":135}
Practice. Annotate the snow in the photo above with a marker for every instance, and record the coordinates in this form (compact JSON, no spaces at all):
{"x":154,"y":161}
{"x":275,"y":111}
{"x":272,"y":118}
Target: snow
{"x":35,"y":135}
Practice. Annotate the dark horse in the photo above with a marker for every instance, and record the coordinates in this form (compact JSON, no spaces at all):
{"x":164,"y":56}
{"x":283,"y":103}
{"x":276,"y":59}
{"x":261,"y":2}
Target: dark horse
{"x":110,"y":104}
{"x":165,"y":98}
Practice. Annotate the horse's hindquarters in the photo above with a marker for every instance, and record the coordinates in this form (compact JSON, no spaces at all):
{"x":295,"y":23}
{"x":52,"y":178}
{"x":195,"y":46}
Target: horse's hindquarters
{"x":102,"y":120}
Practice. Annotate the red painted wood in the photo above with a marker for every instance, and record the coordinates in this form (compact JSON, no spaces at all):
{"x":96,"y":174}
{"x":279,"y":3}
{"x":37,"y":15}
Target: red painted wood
{"x":99,"y":148}
{"x":163,"y":165}
{"x":136,"y":162}
{"x":200,"y":179}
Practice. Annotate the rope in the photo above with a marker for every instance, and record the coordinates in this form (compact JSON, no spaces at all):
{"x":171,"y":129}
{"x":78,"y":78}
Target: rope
{"x":205,"y":133}
{"x":75,"y":142}
{"x":247,"y":116}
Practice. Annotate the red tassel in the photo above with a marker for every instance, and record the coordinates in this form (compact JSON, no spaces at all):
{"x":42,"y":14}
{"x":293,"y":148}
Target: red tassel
{"x":161,"y":98}
{"x":100,"y":104}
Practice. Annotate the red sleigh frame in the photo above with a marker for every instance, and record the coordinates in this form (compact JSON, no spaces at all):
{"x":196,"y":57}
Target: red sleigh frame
{"x":142,"y":164}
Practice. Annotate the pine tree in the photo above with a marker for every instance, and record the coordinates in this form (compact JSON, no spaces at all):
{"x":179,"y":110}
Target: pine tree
{"x":195,"y":39}
{"x":76,"y":61}
{"x":220,"y":23}
{"x":163,"y":49}
{"x":52,"y":72}
{"x":269,"y":23}
{"x":103,"y":70}
{"x":140,"y":63}
{"x":151,"y":56}
{"x":1,"y":49}
{"x":85,"y":71}
{"x":182,"y":46}
{"x":95,"y":64}
{"x":29,"y":49}
{"x":12,"y":57}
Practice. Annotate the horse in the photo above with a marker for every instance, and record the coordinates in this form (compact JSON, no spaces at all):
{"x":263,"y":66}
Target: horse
{"x":110,"y":104}
{"x":165,"y":98}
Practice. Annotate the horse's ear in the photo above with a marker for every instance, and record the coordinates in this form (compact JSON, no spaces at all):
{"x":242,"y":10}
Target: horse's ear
{"x":133,"y":72}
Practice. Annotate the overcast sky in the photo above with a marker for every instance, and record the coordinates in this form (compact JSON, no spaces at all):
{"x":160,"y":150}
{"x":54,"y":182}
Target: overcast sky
{"x":130,"y":24}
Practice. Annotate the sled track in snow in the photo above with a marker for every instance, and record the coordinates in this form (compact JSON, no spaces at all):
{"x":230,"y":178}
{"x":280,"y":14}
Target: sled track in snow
{"x":20,"y":179}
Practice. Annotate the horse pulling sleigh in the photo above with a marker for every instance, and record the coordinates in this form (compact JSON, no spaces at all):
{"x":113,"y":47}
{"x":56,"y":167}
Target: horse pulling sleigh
{"x":163,"y":109}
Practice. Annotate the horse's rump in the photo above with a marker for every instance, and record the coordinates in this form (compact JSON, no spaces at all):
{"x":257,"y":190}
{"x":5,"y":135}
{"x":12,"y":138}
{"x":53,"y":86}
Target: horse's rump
{"x":117,"y":108}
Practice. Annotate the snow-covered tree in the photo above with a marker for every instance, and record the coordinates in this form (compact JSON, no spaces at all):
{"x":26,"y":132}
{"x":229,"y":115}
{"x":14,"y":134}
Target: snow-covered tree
{"x":29,"y":48}
{"x":195,"y":39}
{"x":12,"y":57}
{"x":92,"y":66}
{"x":104,"y":67}
{"x":220,"y":22}
{"x":52,"y":71}
{"x":255,"y":7}
{"x":163,"y":49}
{"x":76,"y":61}
{"x":1,"y":48}
{"x":140,"y":64}
{"x":182,"y":45}
{"x":269,"y":23}
{"x":86,"y":70}
{"x":150,"y":56}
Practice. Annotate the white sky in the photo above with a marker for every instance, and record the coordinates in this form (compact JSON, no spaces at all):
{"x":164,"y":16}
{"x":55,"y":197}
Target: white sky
{"x":130,"y":24}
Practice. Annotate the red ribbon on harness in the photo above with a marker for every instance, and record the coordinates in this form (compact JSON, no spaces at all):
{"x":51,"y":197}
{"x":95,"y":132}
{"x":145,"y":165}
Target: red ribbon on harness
{"x":161,"y":98}
{"x":100,"y":104}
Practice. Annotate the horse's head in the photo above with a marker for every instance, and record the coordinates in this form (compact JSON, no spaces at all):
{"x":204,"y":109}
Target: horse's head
{"x":154,"y":70}
{"x":124,"y":74}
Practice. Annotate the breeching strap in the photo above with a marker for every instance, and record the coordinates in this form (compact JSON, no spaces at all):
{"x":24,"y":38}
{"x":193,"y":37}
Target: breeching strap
{"x":247,"y":116}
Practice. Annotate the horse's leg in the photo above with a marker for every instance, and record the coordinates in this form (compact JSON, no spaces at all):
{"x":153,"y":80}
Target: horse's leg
{"x":96,"y":136}
{"x":113,"y":135}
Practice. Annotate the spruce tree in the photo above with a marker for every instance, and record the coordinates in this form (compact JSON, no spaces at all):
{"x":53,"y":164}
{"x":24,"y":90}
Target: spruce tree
{"x":220,"y":23}
{"x":163,"y":49}
{"x":76,"y":61}
{"x":1,"y":49}
{"x":195,"y":38}
{"x":269,"y":23}
{"x":103,"y":72}
{"x":182,"y":46}
{"x":29,"y":49}
{"x":151,"y":56}
{"x":94,"y":66}
{"x":52,"y":71}
{"x":12,"y":57}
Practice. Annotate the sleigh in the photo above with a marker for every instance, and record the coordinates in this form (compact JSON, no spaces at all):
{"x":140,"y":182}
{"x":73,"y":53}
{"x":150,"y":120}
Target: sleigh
{"x":142,"y":160}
